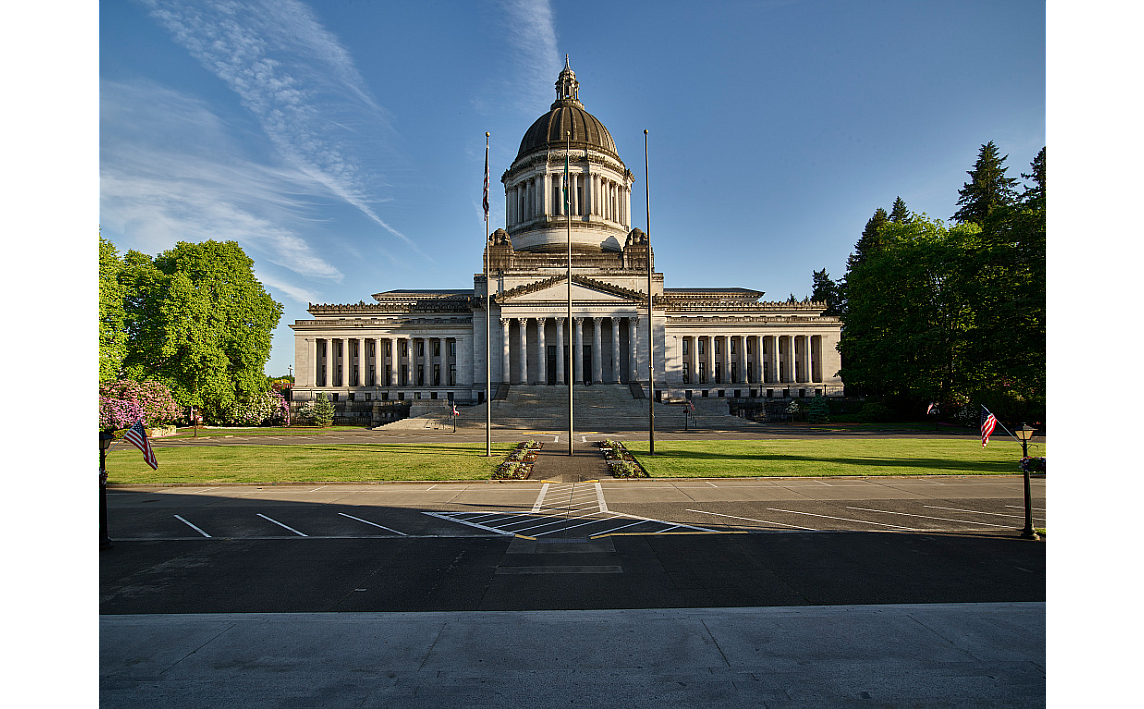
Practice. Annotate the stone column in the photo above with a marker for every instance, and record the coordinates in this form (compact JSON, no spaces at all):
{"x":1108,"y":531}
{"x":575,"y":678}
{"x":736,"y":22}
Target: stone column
{"x":506,"y":375}
{"x":577,"y":352}
{"x":522,"y":323}
{"x":312,"y":354}
{"x":597,"y":367}
{"x":615,"y":350}
{"x":541,"y":352}
{"x":560,"y":351}
{"x":633,"y":348}
{"x":711,"y":360}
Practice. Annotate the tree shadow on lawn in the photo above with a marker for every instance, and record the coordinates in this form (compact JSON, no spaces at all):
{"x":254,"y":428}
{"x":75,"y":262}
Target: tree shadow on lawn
{"x":723,"y":459}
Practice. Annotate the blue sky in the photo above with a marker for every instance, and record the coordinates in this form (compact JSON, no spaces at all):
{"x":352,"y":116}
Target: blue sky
{"x":342,"y":143}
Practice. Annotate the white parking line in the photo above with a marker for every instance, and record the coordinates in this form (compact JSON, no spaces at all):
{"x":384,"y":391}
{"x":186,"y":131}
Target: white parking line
{"x":192,"y":526}
{"x":748,"y":519}
{"x":1018,"y":507}
{"x":844,"y":519}
{"x":366,"y":521}
{"x":540,"y":498}
{"x":976,"y":512}
{"x":295,"y":531}
{"x":940,"y":519}
{"x":600,"y":498}
{"x":467,"y":523}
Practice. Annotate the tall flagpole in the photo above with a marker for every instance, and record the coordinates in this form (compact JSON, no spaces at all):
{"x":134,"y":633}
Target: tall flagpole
{"x":571,"y":329}
{"x":488,"y":317}
{"x":650,"y":328}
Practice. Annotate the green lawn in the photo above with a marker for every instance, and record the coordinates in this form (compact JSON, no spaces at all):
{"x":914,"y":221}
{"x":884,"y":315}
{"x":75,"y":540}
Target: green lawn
{"x":305,"y":463}
{"x":466,"y":461}
{"x":262,"y":431}
{"x":838,"y":456}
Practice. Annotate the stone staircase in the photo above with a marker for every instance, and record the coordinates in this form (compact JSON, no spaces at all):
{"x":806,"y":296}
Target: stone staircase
{"x":600,"y":407}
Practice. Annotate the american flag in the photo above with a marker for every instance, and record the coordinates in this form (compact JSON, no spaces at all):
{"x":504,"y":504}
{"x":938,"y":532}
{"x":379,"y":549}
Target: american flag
{"x":137,"y":437}
{"x":988,"y":423}
{"x":455,"y":413}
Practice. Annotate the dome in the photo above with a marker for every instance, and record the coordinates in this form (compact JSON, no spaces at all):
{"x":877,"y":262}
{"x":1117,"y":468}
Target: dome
{"x":567,"y":115}
{"x":549,"y":130}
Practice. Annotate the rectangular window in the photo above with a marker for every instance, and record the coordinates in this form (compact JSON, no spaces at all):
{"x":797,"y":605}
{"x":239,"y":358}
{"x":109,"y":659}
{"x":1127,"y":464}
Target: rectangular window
{"x":685,"y":347}
{"x":453,"y":348}
{"x":733,"y":345}
{"x":452,"y":375}
{"x":404,"y":348}
{"x":436,"y":375}
{"x":420,"y":375}
{"x":749,"y":348}
{"x":699,"y":349}
{"x":686,"y":372}
{"x":436,"y":348}
{"x":702,"y":372}
{"x":404,"y":375}
{"x":718,"y":346}
{"x":421,"y":348}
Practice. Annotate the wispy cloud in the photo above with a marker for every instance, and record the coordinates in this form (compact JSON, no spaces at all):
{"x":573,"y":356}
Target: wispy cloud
{"x":531,"y":29}
{"x":295,"y":78}
{"x":169,"y":171}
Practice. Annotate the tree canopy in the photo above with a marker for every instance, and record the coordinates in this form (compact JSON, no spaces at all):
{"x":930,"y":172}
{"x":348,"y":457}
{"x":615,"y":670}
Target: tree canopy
{"x":112,"y":316}
{"x":952,"y":313}
{"x":197,"y":320}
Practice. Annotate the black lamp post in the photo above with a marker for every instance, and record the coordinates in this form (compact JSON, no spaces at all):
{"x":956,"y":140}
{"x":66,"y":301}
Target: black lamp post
{"x":1025,"y":433}
{"x":104,"y":443}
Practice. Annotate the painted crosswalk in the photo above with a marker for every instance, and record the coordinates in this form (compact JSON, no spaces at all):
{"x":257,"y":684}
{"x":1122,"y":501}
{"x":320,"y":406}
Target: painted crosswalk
{"x":569,"y":510}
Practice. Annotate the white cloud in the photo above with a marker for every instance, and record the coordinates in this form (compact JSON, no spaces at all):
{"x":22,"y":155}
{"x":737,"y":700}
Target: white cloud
{"x":531,"y":31}
{"x":297,"y":80}
{"x":170,"y":172}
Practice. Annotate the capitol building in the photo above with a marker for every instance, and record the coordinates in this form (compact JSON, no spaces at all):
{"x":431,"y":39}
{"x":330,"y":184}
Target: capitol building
{"x":426,"y":345}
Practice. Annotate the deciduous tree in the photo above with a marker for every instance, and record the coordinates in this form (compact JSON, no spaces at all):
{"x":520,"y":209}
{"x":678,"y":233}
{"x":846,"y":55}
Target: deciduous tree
{"x":199,"y":321}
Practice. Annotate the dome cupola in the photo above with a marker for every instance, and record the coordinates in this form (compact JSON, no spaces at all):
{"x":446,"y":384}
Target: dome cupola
{"x":599,"y":198}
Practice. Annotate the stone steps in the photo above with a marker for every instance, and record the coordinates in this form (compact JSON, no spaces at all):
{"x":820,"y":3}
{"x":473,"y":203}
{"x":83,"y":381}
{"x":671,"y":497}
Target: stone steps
{"x":599,"y":407}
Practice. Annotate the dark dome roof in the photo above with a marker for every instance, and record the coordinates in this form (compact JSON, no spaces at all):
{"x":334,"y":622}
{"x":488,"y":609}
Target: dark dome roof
{"x":567,"y":115}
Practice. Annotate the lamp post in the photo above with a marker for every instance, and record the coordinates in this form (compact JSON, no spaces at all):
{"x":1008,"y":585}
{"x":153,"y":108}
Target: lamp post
{"x":1025,"y":433}
{"x":104,"y":443}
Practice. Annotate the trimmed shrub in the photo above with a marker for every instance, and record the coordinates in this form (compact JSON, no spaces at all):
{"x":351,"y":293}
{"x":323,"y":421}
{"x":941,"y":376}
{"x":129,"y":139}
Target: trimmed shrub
{"x":266,"y":409}
{"x":875,"y":412}
{"x":123,"y":402}
{"x":819,"y":411}
{"x":319,"y":412}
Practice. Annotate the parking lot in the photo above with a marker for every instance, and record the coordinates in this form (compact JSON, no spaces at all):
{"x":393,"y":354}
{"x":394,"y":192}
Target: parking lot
{"x":581,"y":510}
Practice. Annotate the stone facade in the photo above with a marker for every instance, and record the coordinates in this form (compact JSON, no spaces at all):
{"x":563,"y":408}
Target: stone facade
{"x":427,"y":345}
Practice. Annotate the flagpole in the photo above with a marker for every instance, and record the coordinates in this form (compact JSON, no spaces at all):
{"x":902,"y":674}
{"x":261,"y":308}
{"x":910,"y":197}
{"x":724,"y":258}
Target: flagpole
{"x":1001,"y":424}
{"x":488,"y":317}
{"x":571,"y":329}
{"x":650,"y":328}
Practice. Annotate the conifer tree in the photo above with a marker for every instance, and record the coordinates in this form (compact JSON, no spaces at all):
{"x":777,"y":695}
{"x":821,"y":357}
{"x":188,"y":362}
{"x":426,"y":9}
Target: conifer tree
{"x":899,"y":213}
{"x":1034,"y":197}
{"x":988,"y":189}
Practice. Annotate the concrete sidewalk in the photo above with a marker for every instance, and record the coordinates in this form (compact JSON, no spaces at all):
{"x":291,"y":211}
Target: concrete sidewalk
{"x":941,"y":655}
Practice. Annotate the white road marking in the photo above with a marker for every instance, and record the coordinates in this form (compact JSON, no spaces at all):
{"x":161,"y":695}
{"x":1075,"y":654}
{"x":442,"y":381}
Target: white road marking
{"x":192,"y":526}
{"x":1018,"y":507}
{"x":366,"y":521}
{"x":844,"y":519}
{"x":748,"y":519}
{"x":540,"y":498}
{"x":976,"y":512}
{"x":467,"y":523}
{"x":600,"y":498}
{"x":295,"y":531}
{"x":940,"y":519}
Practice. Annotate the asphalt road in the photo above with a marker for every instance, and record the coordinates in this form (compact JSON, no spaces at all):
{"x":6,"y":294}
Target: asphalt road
{"x":532,"y":545}
{"x":909,"y":592}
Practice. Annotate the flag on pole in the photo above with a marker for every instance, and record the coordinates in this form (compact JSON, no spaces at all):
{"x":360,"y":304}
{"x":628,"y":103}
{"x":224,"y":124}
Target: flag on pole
{"x":929,"y":409}
{"x":455,"y":413}
{"x":566,"y":185}
{"x":485,"y":200}
{"x":137,"y":437}
{"x":988,"y":423}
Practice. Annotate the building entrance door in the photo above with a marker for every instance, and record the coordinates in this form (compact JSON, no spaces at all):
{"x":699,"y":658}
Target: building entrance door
{"x":587,"y":363}
{"x":551,"y":369}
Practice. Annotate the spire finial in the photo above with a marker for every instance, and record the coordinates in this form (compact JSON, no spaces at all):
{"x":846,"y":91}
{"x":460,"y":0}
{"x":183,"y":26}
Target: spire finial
{"x":567,"y":88}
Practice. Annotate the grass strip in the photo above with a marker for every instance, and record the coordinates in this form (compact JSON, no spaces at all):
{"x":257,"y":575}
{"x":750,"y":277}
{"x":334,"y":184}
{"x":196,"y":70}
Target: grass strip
{"x":828,"y":457}
{"x":367,"y":462}
{"x":262,"y":431}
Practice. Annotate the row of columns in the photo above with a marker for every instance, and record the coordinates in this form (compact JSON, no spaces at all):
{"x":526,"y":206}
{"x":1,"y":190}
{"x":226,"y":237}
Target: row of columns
{"x":592,"y":194}
{"x":326,"y":353}
{"x":760,"y":359}
{"x":522,"y":373}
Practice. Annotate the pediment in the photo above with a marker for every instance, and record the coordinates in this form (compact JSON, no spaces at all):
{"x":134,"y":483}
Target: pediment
{"x":555,"y":290}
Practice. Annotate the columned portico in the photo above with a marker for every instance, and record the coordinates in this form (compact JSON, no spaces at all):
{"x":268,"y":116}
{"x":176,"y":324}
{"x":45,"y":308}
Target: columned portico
{"x":424,"y":344}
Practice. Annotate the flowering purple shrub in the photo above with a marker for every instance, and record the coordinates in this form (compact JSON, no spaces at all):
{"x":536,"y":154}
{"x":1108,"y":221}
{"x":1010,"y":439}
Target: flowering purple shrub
{"x":118,"y":413}
{"x":150,"y":401}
